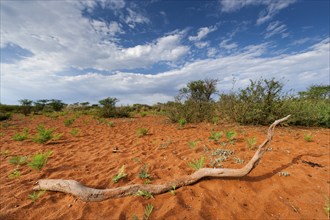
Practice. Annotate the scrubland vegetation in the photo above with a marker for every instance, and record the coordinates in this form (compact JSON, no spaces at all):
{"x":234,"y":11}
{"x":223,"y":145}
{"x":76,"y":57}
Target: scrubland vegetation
{"x":261,"y":102}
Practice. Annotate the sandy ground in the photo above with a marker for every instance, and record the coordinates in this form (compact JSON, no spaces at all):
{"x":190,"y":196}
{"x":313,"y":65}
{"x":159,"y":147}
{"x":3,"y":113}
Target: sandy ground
{"x":89,"y":158}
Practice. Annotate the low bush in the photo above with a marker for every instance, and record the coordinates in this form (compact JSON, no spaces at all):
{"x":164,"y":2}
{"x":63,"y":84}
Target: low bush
{"x":22,"y":135}
{"x":39,"y":160}
{"x":18,"y":160}
{"x":5,"y":116}
{"x":43,"y":135}
{"x":68,"y":122}
{"x":263,"y":101}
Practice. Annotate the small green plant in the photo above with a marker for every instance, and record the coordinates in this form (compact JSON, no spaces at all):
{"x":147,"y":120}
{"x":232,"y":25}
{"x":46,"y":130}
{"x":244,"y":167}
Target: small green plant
{"x":197,"y":164}
{"x":143,"y":114}
{"x":141,"y":132}
{"x":68,"y":122}
{"x":39,"y":160}
{"x":327,"y":206}
{"x":74,"y":131}
{"x":251,"y":142}
{"x":110,"y":124}
{"x":192,"y":144}
{"x":230,"y":135}
{"x":144,"y":193}
{"x":238,"y":160}
{"x":16,"y":173}
{"x":182,"y":122}
{"x":172,"y":191}
{"x":121,"y":174}
{"x":215,"y":136}
{"x":284,"y":173}
{"x":143,"y":174}
{"x":35,"y":195}
{"x":21,"y":136}
{"x":215,"y":120}
{"x":43,"y":135}
{"x":147,"y":211}
{"x":18,"y":160}
{"x":308,"y":137}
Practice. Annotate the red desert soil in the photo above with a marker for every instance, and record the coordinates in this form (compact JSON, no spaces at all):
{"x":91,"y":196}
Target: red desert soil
{"x":89,"y":158}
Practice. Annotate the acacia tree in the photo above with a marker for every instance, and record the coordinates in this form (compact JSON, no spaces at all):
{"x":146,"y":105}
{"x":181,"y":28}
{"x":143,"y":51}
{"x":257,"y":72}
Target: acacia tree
{"x":40,"y":104}
{"x":199,"y":91}
{"x":316,"y":92}
{"x":108,"y":106}
{"x":194,"y":102}
{"x":56,"y":105}
{"x":26,"y":106}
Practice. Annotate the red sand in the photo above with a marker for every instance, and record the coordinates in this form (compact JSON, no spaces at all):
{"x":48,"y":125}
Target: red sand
{"x":88,"y":158}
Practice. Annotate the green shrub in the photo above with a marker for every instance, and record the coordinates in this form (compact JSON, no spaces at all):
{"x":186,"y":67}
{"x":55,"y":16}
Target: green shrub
{"x":21,"y":136}
{"x":39,"y":160}
{"x":109,"y":109}
{"x":194,"y":102}
{"x":5,"y":116}
{"x":26,"y":106}
{"x":191,"y":111}
{"x":215,"y":136}
{"x":182,"y":122}
{"x":308,"y":112}
{"x":43,"y":135}
{"x":263,"y":101}
{"x":308,"y":137}
{"x":68,"y":122}
{"x":74,"y":131}
{"x":55,"y":105}
{"x":18,"y":160}
{"x":15,"y":174}
{"x":230,"y":135}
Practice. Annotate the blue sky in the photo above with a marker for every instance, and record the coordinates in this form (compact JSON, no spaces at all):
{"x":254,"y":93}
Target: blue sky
{"x":145,"y":51}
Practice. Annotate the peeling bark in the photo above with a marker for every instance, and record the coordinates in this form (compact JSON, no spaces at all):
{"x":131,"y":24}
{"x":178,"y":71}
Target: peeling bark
{"x":92,"y":195}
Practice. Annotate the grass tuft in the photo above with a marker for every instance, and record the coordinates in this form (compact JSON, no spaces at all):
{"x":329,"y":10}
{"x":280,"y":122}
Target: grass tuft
{"x":120,"y":175}
{"x":39,"y":160}
{"x":197,"y":164}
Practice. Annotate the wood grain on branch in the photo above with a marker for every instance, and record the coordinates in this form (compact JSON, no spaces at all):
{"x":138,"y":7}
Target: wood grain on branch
{"x":91,"y":194}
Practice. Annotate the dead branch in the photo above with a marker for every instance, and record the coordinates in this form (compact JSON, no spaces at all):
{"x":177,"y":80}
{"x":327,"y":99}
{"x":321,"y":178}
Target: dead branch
{"x":91,"y":194}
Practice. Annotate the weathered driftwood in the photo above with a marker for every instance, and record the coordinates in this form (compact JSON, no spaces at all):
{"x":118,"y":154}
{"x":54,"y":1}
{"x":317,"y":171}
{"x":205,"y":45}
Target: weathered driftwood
{"x":91,"y":194}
